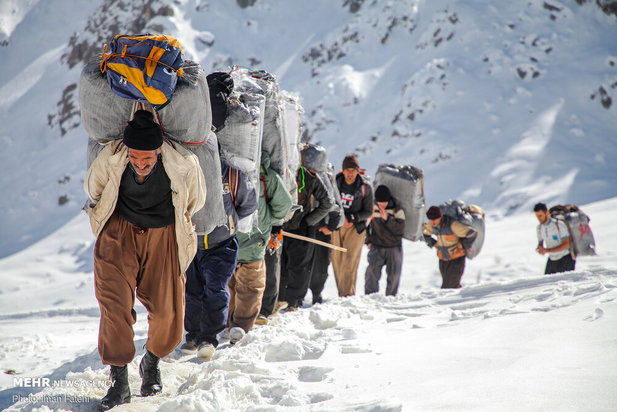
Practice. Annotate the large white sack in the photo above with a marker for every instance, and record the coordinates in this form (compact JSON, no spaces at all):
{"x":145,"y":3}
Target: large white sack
{"x":186,"y":118}
{"x":471,"y":215}
{"x":188,"y":115}
{"x":240,"y":140}
{"x":406,"y":187}
{"x":103,"y":113}
{"x":213,"y":213}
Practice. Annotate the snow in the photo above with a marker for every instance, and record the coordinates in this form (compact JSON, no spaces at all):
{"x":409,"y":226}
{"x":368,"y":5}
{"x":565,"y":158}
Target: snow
{"x":498,"y":102}
{"x":510,"y":339}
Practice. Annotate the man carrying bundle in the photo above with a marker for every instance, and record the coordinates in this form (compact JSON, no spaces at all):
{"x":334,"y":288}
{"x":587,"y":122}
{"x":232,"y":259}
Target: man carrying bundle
{"x":385,"y":242}
{"x":357,"y":198}
{"x":143,"y":192}
{"x":450,"y":250}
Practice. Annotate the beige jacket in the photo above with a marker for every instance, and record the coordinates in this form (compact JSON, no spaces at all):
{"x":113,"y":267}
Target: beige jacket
{"x":187,"y":185}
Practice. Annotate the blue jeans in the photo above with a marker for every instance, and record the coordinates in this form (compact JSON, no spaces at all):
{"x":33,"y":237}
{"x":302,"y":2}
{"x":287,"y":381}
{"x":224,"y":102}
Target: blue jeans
{"x":207,"y":294}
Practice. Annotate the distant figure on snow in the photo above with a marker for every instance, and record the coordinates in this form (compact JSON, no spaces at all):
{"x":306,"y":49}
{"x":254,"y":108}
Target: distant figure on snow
{"x":450,"y":251}
{"x":554,"y":240}
{"x":385,"y":241}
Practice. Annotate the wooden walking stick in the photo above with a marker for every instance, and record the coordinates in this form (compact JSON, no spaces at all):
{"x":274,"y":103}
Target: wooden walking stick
{"x":318,"y":242}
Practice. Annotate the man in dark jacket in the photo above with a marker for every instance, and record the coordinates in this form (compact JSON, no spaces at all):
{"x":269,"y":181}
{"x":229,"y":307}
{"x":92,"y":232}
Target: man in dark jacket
{"x":297,"y":254}
{"x":357,"y":198}
{"x":384,"y":239}
{"x":327,"y":225}
{"x":207,"y":295}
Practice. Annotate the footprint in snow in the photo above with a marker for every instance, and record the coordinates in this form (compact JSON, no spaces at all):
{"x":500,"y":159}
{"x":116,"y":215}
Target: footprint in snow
{"x":597,"y":314}
{"x":313,"y":373}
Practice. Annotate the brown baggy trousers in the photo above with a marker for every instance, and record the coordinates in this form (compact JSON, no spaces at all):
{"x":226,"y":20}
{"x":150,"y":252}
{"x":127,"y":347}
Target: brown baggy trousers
{"x":128,"y":261}
{"x":246,"y":289}
{"x":345,"y":265}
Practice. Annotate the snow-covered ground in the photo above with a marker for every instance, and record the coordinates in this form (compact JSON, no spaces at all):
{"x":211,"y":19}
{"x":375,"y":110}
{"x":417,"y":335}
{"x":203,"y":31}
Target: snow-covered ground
{"x":510,"y":339}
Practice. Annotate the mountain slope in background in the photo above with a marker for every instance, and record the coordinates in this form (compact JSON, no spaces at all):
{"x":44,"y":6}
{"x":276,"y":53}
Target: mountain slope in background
{"x":503,"y":104}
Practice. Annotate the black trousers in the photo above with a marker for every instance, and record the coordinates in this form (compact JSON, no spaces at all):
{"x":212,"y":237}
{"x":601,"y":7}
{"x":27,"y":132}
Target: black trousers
{"x":296,"y":264}
{"x":565,"y":264}
{"x":321,"y":261}
{"x":273,"y":279}
{"x":452,"y":272}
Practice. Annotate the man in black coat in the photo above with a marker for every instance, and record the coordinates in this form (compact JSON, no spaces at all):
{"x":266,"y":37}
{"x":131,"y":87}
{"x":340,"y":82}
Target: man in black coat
{"x":384,"y":239}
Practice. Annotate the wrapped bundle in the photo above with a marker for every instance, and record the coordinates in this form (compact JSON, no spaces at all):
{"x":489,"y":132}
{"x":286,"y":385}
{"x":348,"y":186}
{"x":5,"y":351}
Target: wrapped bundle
{"x":213,"y":213}
{"x":240,"y":140}
{"x":185,"y":119}
{"x":314,"y":157}
{"x":470,"y":215}
{"x":406,"y":186}
{"x":104,"y":114}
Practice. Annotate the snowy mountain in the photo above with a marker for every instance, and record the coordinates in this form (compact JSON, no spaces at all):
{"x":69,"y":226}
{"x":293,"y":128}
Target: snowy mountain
{"x":501,"y":103}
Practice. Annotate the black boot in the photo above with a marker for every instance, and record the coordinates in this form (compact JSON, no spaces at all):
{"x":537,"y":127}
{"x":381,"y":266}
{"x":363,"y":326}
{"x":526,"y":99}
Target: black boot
{"x":150,"y":374}
{"x":119,"y":392}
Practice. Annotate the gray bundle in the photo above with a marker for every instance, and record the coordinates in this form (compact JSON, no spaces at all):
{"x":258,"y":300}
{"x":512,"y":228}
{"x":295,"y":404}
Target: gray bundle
{"x":186,"y":118}
{"x":213,"y":213}
{"x":314,"y":157}
{"x":406,"y":187}
{"x":470,"y":215}
{"x":240,"y":140}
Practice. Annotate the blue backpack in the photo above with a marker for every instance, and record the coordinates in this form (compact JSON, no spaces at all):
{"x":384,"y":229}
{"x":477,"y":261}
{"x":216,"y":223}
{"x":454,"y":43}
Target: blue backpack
{"x":143,"y":67}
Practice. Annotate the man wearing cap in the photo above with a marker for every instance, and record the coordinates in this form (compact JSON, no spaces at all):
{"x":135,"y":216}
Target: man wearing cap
{"x":384,"y":239}
{"x":450,"y":250}
{"x":357,"y":198}
{"x":142,"y":192}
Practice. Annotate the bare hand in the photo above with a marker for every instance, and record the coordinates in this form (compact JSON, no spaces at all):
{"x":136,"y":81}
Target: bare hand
{"x":347,"y":223}
{"x":325,"y":230}
{"x":541,"y":250}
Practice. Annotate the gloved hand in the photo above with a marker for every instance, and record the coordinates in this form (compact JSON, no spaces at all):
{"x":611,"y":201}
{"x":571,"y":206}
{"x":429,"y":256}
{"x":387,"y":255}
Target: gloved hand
{"x":430,"y":241}
{"x":220,"y":86}
{"x":220,"y":82}
{"x":276,"y":236}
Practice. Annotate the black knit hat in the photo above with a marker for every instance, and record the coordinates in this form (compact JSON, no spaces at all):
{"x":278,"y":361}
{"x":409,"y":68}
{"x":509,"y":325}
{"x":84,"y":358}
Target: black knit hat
{"x":143,"y":133}
{"x":433,"y":213}
{"x":382,"y":194}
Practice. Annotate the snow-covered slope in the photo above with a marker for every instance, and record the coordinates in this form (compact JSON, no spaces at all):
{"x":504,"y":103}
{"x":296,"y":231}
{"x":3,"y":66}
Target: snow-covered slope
{"x":501,"y":103}
{"x":511,"y":339}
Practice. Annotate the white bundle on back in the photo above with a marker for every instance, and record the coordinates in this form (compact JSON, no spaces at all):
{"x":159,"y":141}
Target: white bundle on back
{"x":405,"y":184}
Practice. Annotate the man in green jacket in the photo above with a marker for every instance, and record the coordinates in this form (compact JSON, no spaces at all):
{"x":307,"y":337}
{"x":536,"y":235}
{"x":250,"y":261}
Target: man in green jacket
{"x":248,"y":282}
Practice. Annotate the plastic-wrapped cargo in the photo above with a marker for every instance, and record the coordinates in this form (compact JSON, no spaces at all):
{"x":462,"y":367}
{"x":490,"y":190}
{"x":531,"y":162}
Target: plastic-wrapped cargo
{"x":292,"y":113}
{"x":471,"y":215}
{"x":281,"y":122}
{"x":314,"y":157}
{"x":406,"y":186}
{"x":581,"y":236}
{"x":186,"y":117}
{"x":240,"y":140}
{"x":213,"y":212}
{"x":103,"y":113}
{"x":329,"y":180}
